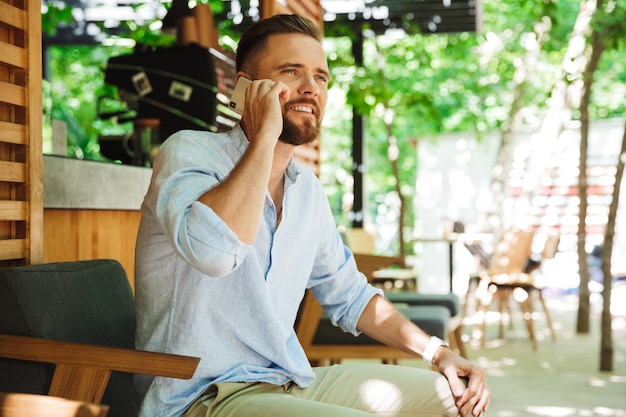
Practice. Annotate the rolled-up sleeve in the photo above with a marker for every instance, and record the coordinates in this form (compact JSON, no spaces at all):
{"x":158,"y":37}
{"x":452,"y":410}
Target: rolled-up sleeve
{"x":196,"y":232}
{"x":345,"y":303}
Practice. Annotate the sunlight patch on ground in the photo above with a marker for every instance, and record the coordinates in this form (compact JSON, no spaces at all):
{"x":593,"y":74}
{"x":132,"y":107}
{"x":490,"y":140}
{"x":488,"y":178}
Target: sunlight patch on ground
{"x":608,"y":380}
{"x":553,"y":411}
{"x":560,"y":379}
{"x":496,"y":367}
{"x":570,"y":411}
{"x":603,"y":411}
{"x":598,"y":383}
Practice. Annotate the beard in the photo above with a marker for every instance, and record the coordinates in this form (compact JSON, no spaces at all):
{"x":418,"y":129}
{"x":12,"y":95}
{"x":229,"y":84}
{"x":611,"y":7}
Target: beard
{"x":303,"y":134}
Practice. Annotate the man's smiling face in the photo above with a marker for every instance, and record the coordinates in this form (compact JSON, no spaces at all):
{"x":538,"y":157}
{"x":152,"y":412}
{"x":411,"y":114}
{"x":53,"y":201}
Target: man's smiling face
{"x":299,"y":62}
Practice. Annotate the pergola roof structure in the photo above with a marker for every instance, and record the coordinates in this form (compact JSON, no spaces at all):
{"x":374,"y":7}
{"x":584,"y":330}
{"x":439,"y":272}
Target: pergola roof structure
{"x":426,"y":16}
{"x":93,"y":19}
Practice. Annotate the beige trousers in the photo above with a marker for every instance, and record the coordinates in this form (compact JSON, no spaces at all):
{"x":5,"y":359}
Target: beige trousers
{"x":338,"y":391}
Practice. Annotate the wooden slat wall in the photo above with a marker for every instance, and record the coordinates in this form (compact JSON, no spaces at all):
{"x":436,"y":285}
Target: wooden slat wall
{"x":21,"y":161}
{"x":76,"y":235}
{"x":308,"y":155}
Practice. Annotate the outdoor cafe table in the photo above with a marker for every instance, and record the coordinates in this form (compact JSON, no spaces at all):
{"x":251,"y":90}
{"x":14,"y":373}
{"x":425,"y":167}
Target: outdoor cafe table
{"x":450,"y":239}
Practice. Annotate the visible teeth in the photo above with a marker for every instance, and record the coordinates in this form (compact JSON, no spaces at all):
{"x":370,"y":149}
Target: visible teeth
{"x":303,"y":109}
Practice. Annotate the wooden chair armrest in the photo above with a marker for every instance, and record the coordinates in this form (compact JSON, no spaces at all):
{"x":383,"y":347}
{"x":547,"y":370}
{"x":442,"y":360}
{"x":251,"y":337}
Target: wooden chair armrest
{"x":309,"y":319}
{"x":102,"y":357}
{"x":381,"y":260}
{"x":82,"y":371}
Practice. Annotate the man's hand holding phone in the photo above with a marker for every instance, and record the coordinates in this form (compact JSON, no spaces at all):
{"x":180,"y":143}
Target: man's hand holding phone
{"x":260,"y":103}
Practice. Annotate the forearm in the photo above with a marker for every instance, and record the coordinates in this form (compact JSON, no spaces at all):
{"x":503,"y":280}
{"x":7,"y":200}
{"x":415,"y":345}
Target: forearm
{"x":239,"y":199}
{"x":381,"y":321}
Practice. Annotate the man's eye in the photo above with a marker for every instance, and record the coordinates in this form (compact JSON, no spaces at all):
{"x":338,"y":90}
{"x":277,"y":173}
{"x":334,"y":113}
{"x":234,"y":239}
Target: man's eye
{"x":290,"y":71}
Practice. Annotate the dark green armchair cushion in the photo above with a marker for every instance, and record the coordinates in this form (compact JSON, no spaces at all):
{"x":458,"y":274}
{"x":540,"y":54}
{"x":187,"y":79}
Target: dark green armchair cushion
{"x":433,"y":319}
{"x":412,"y":298}
{"x":84,"y":302}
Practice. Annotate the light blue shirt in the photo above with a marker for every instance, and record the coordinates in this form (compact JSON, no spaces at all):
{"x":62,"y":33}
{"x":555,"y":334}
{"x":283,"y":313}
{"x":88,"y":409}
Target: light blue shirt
{"x":202,"y":292}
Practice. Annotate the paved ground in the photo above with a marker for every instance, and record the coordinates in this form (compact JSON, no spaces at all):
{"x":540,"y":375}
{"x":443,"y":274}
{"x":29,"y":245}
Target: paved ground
{"x":561,"y":378}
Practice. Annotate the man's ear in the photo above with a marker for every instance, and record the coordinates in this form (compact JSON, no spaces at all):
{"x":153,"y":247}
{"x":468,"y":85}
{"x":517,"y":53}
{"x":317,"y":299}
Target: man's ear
{"x":242,"y":74}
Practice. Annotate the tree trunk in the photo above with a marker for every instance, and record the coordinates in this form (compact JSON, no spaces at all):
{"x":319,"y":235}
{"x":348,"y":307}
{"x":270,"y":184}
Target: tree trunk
{"x":582,"y":321}
{"x":393,"y":154}
{"x":587,"y":55}
{"x":594,"y":51}
{"x":606,"y":339}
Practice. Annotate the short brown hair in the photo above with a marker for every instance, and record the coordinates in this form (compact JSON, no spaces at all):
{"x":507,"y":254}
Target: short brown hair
{"x":254,"y":39}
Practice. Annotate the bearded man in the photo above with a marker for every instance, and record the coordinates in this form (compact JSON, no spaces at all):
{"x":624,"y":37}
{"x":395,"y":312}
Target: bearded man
{"x":233,"y":233}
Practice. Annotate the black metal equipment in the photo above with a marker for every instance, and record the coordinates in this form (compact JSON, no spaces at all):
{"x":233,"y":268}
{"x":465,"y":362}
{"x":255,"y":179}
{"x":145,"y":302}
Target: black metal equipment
{"x":176,"y":85}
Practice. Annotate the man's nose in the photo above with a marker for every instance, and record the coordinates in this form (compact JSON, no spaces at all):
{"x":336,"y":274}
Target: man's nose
{"x":308,"y":86}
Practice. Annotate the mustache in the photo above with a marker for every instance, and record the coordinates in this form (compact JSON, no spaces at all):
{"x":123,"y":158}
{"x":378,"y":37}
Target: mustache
{"x":309,"y":102}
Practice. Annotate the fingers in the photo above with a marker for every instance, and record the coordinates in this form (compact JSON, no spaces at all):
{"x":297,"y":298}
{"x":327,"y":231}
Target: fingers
{"x":483,"y":403}
{"x":267,"y":92}
{"x":263,"y":109}
{"x":456,"y":385}
{"x":282,"y":90}
{"x":471,"y":389}
{"x":476,"y":396}
{"x":475,"y":399}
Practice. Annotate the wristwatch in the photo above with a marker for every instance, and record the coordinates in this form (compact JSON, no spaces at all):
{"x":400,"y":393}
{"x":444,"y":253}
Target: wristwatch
{"x":431,"y":348}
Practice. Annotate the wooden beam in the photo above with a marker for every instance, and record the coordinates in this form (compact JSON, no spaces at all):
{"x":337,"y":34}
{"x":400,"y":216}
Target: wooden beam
{"x":13,"y":210}
{"x":12,"y":132}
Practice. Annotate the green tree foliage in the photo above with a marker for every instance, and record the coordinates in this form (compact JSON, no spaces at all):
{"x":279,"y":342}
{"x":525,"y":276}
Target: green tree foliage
{"x":54,"y":14}
{"x":77,"y":90}
{"x":457,"y":82}
{"x":609,"y":90}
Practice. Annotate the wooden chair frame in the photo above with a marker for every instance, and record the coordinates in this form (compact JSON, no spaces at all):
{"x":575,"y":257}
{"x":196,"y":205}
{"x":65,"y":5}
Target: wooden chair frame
{"x":381,"y":270}
{"x":369,"y":264}
{"x":82,"y":371}
{"x":506,"y":276}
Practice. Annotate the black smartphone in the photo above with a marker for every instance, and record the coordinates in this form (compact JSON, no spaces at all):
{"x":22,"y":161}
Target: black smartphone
{"x":239,"y":95}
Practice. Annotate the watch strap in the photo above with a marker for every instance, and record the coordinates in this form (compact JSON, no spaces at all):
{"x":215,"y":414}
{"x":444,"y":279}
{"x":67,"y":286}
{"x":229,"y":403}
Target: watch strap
{"x":431,"y":348}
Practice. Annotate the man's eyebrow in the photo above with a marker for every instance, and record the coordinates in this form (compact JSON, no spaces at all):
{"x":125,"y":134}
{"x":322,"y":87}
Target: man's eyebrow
{"x":323,"y":71}
{"x":295,"y":65}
